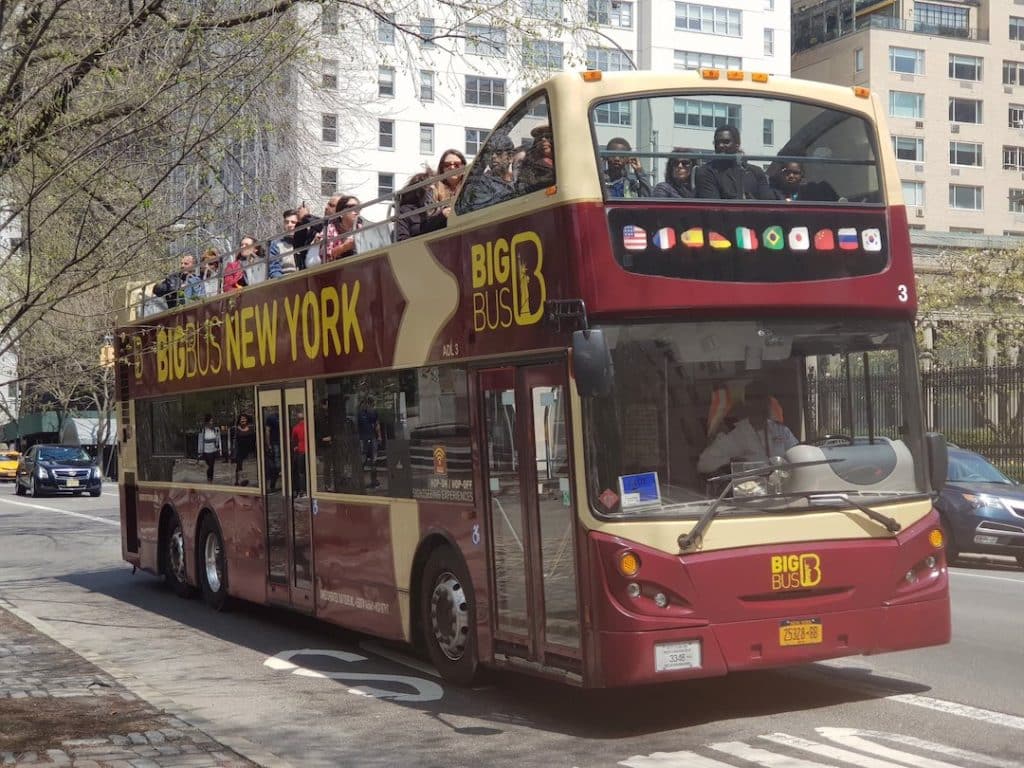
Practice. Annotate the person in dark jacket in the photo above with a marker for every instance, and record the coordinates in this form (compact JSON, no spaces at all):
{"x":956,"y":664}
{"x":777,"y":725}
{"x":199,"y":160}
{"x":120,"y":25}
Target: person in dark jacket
{"x":788,"y":184}
{"x":416,"y":216}
{"x":624,"y":176}
{"x":496,"y":183}
{"x":678,"y":177}
{"x":180,"y":287}
{"x":728,"y":176}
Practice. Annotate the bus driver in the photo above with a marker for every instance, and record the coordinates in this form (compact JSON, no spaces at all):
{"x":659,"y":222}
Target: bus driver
{"x":756,"y":437}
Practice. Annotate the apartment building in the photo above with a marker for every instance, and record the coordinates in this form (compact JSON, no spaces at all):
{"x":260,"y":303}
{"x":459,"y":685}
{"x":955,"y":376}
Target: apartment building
{"x":415,"y":97}
{"x":951,"y":73}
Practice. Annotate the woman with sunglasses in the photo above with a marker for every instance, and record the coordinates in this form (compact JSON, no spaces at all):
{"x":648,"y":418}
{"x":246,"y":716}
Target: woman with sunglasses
{"x":678,"y":176}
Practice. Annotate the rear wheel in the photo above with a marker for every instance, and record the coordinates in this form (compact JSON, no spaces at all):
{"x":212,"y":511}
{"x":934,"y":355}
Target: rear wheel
{"x":174,"y":558}
{"x":214,"y":565}
{"x":449,"y":617}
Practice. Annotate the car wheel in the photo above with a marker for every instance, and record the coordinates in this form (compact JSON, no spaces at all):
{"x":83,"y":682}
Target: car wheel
{"x":36,"y":492}
{"x":952,"y":550}
{"x":213,"y":565}
{"x":95,"y":493}
{"x":449,"y":617}
{"x":175,"y":573}
{"x":18,"y":490}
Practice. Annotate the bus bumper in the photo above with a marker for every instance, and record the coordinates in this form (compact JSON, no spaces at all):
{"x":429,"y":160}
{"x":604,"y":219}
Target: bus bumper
{"x":632,"y":658}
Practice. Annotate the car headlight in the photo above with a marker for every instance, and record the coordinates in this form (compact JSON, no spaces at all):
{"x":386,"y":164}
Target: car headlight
{"x":96,"y":474}
{"x":979,"y":500}
{"x":42,"y":472}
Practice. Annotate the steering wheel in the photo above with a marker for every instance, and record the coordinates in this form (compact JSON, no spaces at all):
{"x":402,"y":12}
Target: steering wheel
{"x":833,"y":440}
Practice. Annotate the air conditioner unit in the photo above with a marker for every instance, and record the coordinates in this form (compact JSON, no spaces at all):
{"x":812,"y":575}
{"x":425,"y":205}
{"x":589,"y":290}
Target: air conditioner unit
{"x":1007,"y":89}
{"x":920,"y":213}
{"x":918,"y":169}
{"x":919,"y":124}
{"x":954,"y":128}
{"x":954,"y":171}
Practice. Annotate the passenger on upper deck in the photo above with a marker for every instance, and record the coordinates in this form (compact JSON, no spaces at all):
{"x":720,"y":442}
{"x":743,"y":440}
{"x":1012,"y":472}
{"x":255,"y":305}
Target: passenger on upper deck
{"x":678,"y":176}
{"x":339,"y":238}
{"x":446,"y":189}
{"x":282,"y":257}
{"x":309,"y":233}
{"x":538,"y":168}
{"x":728,"y":176}
{"x":182,"y":286}
{"x":234,"y":268}
{"x":788,"y":184}
{"x":624,"y":176}
{"x":495,"y":185}
{"x":411,"y":220}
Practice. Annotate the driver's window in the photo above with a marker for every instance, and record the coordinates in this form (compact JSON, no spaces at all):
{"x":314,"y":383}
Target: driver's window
{"x":518,"y":158}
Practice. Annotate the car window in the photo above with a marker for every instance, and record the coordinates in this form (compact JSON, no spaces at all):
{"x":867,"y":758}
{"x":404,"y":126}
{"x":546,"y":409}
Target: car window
{"x":63,"y":453}
{"x":966,"y":468}
{"x":11,"y":455}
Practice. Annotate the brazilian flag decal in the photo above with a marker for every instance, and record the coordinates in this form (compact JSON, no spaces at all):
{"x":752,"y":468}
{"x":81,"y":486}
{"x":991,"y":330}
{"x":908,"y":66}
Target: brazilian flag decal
{"x":773,"y":239}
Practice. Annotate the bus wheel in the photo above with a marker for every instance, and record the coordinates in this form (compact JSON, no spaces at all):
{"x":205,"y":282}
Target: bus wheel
{"x":448,"y":614}
{"x":214,"y":566}
{"x":174,"y":558}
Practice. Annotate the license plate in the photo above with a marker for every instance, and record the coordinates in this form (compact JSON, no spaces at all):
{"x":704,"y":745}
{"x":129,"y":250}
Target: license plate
{"x":800,"y":632}
{"x":72,"y":483}
{"x":672,"y":656}
{"x":986,"y":539}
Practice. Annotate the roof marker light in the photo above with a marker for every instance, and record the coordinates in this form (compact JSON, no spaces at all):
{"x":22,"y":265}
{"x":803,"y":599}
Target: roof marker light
{"x":861,"y":91}
{"x":710,"y":74}
{"x":735,"y":74}
{"x":759,"y":77}
{"x":591,"y":75}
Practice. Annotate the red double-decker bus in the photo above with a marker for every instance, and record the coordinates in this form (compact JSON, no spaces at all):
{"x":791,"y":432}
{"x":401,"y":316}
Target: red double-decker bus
{"x":647,"y":409}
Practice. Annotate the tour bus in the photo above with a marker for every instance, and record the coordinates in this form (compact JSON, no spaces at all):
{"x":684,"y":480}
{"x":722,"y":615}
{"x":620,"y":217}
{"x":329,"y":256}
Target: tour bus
{"x":516,"y":442}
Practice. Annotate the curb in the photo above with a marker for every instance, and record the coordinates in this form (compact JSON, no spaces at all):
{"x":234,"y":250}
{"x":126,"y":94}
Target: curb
{"x":243,"y":747}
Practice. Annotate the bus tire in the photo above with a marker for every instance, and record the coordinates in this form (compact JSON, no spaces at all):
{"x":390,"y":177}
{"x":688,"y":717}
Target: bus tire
{"x":449,"y":616}
{"x":175,"y":572}
{"x":213,"y":564}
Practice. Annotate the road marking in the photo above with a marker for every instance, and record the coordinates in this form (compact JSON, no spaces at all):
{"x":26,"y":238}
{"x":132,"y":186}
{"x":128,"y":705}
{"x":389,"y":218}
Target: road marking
{"x":684,"y":759}
{"x":763,"y":756}
{"x":67,"y":512}
{"x":398,"y":657}
{"x":825,"y":750}
{"x":961,"y":710}
{"x":858,"y":739}
{"x":991,"y":578}
{"x":955,"y":752}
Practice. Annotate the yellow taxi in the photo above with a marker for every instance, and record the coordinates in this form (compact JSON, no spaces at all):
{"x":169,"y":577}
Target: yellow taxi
{"x":9,"y":464}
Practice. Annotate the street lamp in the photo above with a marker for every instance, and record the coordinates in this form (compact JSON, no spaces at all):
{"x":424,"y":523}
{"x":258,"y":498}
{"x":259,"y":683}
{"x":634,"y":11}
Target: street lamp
{"x":617,"y":47}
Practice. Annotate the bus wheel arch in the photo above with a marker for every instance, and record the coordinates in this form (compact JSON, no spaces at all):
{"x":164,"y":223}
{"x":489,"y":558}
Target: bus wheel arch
{"x":172,"y":562}
{"x":211,"y":561}
{"x":446,"y":611}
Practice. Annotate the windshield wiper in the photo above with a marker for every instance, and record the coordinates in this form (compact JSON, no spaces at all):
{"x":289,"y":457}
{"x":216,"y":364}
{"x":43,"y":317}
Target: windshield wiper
{"x":696,"y":534}
{"x":890,"y":524}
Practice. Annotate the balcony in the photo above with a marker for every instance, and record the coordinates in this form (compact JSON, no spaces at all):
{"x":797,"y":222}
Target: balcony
{"x":806,"y":37}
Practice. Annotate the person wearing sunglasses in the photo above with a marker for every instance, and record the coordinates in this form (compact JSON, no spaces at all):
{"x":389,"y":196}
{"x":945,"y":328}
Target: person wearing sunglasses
{"x":789,"y":184}
{"x":678,"y":176}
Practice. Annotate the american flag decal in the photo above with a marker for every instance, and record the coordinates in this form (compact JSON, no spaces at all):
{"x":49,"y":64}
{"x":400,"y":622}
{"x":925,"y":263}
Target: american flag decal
{"x":634,"y":238}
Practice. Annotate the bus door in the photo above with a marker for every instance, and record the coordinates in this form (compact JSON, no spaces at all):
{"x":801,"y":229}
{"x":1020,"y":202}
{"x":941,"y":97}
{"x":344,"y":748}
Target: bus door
{"x":530,"y":513}
{"x":286,"y":497}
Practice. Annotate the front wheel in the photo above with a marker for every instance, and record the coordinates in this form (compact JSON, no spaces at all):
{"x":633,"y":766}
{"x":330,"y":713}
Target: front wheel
{"x":449,"y":617}
{"x":952,"y":550}
{"x":1020,"y":560}
{"x":174,"y":559}
{"x":36,"y":492}
{"x":214,"y":566}
{"x":95,"y":493}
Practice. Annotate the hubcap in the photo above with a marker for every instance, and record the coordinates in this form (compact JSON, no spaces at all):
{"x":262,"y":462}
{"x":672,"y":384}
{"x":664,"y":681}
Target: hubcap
{"x":176,"y":552}
{"x":449,"y":616}
{"x":211,"y":556}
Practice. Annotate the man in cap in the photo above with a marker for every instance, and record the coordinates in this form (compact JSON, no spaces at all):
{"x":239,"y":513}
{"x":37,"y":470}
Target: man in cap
{"x":538,"y":169}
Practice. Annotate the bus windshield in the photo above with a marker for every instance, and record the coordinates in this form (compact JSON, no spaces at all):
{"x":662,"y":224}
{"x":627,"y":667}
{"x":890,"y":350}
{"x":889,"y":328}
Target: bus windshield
{"x":833,"y":401}
{"x":730,"y":147}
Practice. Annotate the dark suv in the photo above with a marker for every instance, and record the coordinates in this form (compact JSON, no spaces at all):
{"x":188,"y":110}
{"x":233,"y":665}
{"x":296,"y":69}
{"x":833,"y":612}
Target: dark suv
{"x":47,"y":469}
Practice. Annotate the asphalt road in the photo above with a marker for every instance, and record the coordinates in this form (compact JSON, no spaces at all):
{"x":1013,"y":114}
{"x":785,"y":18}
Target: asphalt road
{"x":314,"y":695}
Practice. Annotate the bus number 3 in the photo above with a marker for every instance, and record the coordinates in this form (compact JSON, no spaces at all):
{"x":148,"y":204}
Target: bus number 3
{"x":902,"y":293}
{"x":425,"y":690}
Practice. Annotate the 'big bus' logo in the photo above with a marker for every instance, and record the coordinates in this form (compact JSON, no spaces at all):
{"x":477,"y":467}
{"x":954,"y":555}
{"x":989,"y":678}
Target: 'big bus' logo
{"x":795,"y":571}
{"x":508,"y":282}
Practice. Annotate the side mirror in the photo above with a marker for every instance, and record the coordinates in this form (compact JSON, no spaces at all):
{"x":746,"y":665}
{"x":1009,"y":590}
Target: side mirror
{"x":938,"y":460}
{"x":592,"y":363}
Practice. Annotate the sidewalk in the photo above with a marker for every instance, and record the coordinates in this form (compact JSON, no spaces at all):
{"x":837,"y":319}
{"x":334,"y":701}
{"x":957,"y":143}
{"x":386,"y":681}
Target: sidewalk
{"x":58,"y":709}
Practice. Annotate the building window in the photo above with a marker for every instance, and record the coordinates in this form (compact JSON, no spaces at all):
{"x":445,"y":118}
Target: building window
{"x":913,"y":193}
{"x":607,"y":59}
{"x":709,"y":19}
{"x":542,"y":54}
{"x":858,"y":60}
{"x":908,"y":148}
{"x":935,"y":19}
{"x":475,"y":138}
{"x":906,"y":104}
{"x":385,"y":81}
{"x":426,"y":138}
{"x":1013,"y":73}
{"x":964,"y":67}
{"x":329,"y":19}
{"x":964,"y":153}
{"x":769,"y":42}
{"x":386,"y":134}
{"x":485,"y":91}
{"x":610,"y":13}
{"x":1017,"y":27}
{"x":698,"y":60}
{"x":1016,"y":199}
{"x":328,"y":181}
{"x":544,"y":9}
{"x":426,"y":85}
{"x":769,"y":5}
{"x":768,"y":131}
{"x":486,"y":41}
{"x":386,"y":29}
{"x":329,"y":74}
{"x":964,"y":197}
{"x":427,"y":28}
{"x":692,"y":113}
{"x":964,"y":110}
{"x":329,"y":128}
{"x":1013,"y":158}
{"x":909,"y":61}
{"x":614,"y":113}
{"x":385,"y":184}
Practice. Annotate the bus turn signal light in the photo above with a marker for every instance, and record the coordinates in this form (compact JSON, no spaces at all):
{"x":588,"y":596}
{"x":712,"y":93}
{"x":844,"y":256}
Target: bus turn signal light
{"x":591,"y":75}
{"x":861,"y":91}
{"x":935,"y":538}
{"x":710,"y":74}
{"x":629,"y":563}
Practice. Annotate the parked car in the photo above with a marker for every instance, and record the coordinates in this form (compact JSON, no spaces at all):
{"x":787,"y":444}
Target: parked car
{"x":47,"y":469}
{"x":982,"y":509}
{"x":9,"y":464}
